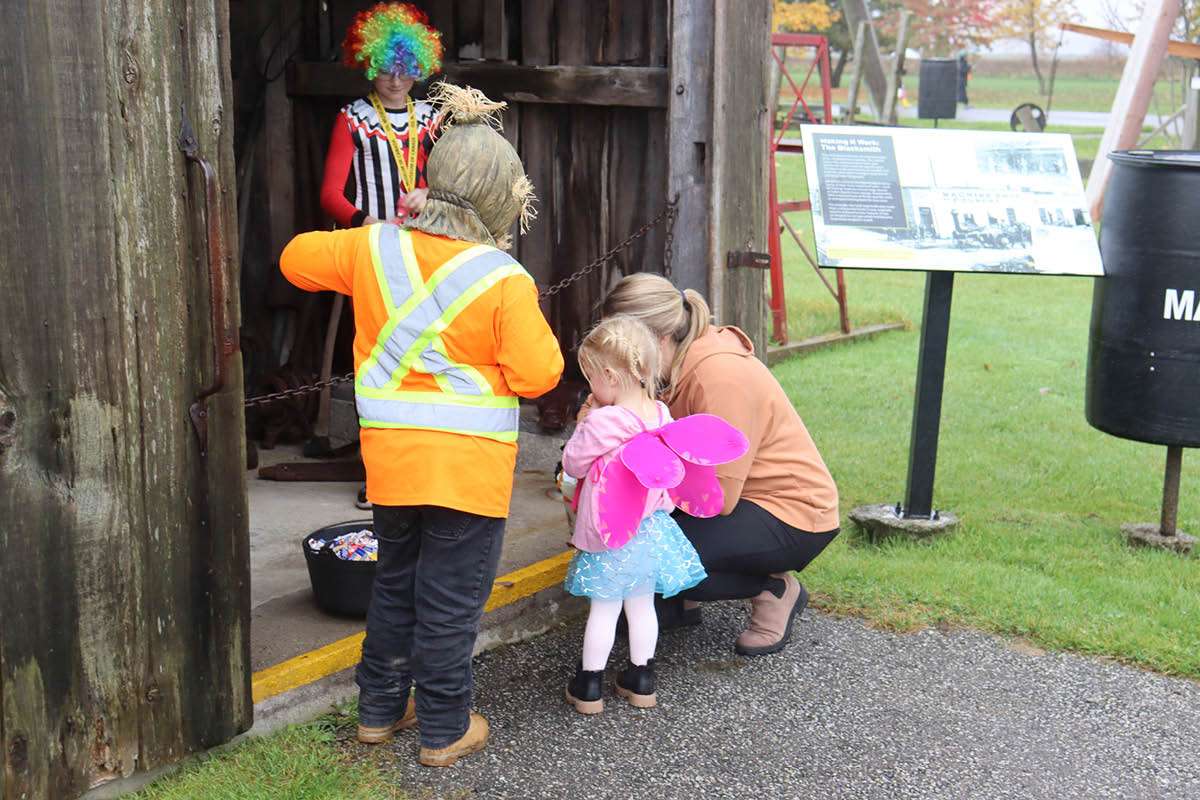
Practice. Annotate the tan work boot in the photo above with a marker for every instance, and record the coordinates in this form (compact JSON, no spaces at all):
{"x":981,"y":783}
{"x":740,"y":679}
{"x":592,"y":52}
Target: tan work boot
{"x":369,"y":735}
{"x":474,"y":740}
{"x":771,"y":619}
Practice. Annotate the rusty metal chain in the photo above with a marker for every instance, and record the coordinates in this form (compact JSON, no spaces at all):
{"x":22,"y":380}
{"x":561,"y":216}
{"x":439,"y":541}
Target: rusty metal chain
{"x":668,"y":213}
{"x":299,"y":391}
{"x":669,"y":242}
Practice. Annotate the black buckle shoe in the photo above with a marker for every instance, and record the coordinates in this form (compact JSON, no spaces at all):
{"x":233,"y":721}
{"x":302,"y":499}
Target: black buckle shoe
{"x":672,"y":614}
{"x":585,"y":690}
{"x":637,"y":684}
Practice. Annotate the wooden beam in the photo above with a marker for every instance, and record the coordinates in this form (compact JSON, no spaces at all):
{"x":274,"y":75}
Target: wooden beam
{"x":777,"y":355}
{"x":689,"y":129}
{"x":495,"y":31}
{"x":1133,"y":94}
{"x":893,"y":86}
{"x":441,"y":15}
{"x":872,"y":65}
{"x":856,"y":73}
{"x":537,"y":21}
{"x":738,"y":183}
{"x":1191,"y":119}
{"x":1174,"y":46}
{"x":644,"y":87}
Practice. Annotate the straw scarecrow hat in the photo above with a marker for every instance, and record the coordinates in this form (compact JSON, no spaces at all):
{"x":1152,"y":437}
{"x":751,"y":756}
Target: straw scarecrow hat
{"x":477,"y":185}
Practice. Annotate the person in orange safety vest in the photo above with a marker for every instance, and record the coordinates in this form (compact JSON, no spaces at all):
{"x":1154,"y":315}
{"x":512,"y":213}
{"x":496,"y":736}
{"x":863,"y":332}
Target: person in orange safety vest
{"x":448,"y":335}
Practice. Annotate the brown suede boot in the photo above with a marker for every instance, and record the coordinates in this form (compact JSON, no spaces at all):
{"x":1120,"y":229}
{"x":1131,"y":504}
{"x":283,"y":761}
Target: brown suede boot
{"x":369,"y":735}
{"x":474,"y":740}
{"x":771,"y":618}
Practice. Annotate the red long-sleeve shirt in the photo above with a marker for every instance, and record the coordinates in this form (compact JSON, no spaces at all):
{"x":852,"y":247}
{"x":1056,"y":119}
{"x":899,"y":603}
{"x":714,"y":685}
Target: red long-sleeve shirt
{"x":358,"y":143}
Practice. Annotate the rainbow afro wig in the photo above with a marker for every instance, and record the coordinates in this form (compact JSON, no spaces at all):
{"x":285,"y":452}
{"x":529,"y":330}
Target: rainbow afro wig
{"x":393,"y":38}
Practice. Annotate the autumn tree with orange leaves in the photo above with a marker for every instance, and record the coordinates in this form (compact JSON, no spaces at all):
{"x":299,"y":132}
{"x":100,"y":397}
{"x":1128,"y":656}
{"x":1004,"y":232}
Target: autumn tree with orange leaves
{"x":944,"y":27}
{"x":803,"y":17}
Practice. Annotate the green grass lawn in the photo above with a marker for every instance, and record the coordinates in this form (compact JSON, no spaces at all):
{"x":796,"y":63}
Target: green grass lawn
{"x":302,"y":762}
{"x":1071,"y":93}
{"x":1041,"y":493}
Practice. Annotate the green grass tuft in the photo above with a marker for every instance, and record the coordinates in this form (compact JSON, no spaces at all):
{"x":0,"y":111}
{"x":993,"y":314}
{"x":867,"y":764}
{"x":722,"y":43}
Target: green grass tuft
{"x":302,"y":762}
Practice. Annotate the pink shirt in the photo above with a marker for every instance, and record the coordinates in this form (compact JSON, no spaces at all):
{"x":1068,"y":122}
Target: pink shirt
{"x":595,"y":443}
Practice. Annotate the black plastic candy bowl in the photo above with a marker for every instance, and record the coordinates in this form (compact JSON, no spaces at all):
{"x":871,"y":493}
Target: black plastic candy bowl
{"x":339,"y":587}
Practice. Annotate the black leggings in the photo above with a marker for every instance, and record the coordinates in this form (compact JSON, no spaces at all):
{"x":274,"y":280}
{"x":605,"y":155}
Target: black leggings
{"x":742,"y":550}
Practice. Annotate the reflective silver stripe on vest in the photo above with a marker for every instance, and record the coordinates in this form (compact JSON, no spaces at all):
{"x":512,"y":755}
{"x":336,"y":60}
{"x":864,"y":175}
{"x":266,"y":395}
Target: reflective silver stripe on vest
{"x":439,"y":416}
{"x":391,"y":258}
{"x":438,"y":364}
{"x":427,"y":312}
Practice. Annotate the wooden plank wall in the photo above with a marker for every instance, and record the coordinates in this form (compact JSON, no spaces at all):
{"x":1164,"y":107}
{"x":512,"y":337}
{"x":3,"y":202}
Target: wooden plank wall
{"x":600,"y":171}
{"x":124,"y":594}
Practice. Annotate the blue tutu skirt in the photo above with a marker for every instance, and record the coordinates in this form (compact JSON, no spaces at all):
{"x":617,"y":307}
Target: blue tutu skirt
{"x":658,"y":559}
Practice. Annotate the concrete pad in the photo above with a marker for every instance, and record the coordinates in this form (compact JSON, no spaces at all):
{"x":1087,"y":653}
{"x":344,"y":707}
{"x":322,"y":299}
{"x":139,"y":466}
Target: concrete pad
{"x":285,"y":621}
{"x":880,"y":521}
{"x":281,"y":513}
{"x":1148,"y":535}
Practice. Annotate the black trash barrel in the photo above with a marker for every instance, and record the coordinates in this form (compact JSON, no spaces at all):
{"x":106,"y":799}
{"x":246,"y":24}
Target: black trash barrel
{"x":1143,"y":379}
{"x":937,"y":93}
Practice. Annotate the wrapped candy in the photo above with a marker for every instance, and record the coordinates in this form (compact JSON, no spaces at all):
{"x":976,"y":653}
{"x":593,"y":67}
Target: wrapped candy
{"x":357,"y":546}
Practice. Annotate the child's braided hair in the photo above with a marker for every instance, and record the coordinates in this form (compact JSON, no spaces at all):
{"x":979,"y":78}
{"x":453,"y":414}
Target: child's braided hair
{"x":626,"y":346}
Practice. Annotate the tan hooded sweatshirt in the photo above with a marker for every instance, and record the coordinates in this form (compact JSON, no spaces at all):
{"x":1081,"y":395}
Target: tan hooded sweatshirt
{"x":782,"y":472}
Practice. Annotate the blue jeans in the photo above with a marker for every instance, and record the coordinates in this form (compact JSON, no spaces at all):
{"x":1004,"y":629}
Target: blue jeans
{"x":435,"y":572}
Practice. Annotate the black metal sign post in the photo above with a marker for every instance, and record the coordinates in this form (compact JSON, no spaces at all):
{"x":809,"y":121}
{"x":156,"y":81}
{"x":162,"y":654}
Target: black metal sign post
{"x":927,"y":404}
{"x":916,"y":516}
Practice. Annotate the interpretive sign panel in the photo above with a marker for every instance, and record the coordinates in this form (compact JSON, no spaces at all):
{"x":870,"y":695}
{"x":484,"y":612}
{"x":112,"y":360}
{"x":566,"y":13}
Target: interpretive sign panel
{"x":959,"y":201}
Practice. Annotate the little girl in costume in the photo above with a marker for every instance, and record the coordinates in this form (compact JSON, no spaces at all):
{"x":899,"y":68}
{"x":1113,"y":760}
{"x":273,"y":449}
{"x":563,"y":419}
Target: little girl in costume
{"x":385,"y":137}
{"x":635,"y":466}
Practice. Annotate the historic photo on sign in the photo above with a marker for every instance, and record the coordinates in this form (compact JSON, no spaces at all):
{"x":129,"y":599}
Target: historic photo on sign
{"x":963,"y":201}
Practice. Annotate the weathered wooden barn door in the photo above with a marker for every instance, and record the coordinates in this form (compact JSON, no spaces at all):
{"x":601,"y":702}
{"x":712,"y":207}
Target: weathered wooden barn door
{"x":738,"y":193}
{"x":124,"y":596}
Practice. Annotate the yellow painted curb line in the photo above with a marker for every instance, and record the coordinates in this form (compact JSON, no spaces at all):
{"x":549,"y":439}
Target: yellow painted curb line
{"x":316,"y":664}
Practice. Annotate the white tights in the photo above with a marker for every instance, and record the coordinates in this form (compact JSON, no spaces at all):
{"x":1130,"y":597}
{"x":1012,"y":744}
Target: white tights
{"x":601,"y":631}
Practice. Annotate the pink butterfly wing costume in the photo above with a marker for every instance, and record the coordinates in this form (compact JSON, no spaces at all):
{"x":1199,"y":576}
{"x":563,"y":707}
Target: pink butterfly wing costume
{"x":677,"y":458}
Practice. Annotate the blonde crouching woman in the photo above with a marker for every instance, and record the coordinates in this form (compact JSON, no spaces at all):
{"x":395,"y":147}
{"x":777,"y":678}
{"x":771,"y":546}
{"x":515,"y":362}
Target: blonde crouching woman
{"x":781,"y":504}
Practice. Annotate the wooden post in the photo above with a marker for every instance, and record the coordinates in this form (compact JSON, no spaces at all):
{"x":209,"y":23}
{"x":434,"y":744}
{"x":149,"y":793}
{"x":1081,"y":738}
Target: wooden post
{"x":856,"y":73}
{"x":738,"y":183}
{"x":689,"y":127}
{"x":872,"y":63}
{"x":279,"y":153}
{"x":893,"y":86}
{"x":774,"y":81}
{"x":1191,"y":120}
{"x":124,"y":591}
{"x":1133,"y":94}
{"x":495,"y":31}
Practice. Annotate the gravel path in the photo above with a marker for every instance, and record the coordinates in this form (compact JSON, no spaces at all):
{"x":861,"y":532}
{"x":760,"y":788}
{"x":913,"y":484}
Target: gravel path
{"x":844,"y":712}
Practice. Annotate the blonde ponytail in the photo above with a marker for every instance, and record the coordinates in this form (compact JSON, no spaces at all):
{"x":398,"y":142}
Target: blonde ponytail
{"x":682,"y":315}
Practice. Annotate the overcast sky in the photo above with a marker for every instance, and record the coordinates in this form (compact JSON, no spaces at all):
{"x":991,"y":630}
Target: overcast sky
{"x":1093,"y":13}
